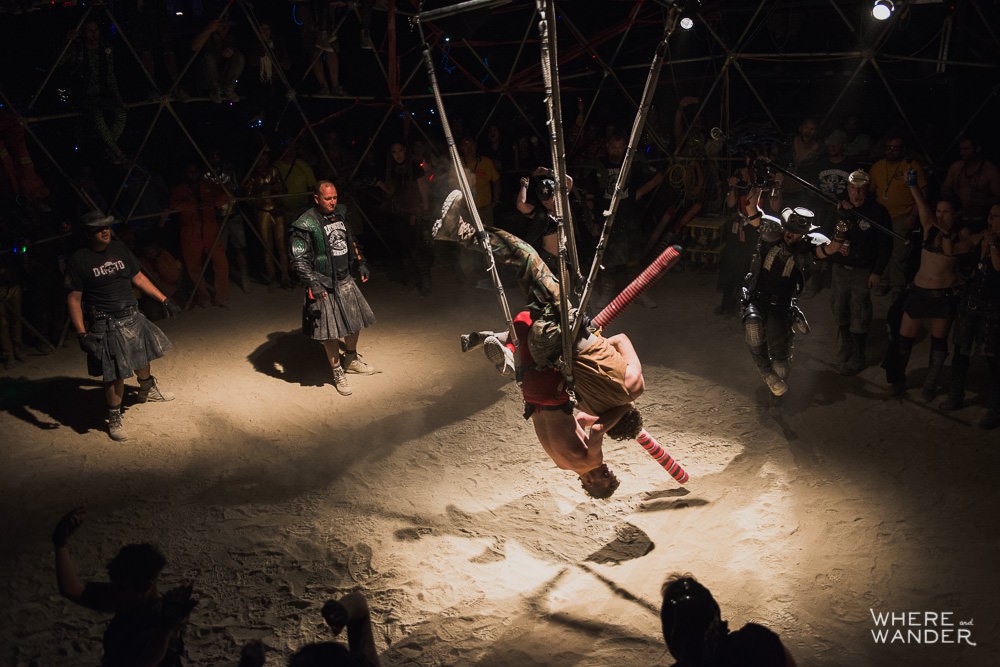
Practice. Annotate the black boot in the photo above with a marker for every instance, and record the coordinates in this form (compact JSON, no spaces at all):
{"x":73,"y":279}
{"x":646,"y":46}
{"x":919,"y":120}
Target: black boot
{"x":956,"y":393}
{"x":896,"y":373}
{"x":939,"y":352}
{"x":858,"y":361}
{"x":762,"y":359}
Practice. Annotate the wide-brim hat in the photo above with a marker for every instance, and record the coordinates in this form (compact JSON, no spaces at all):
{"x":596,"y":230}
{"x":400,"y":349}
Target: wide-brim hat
{"x":798,"y":220}
{"x":96,"y":219}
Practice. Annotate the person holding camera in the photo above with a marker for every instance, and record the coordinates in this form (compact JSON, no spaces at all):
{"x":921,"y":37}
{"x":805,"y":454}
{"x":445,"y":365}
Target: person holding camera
{"x":857,"y":269}
{"x":542,"y":231}
{"x":771,"y":316}
{"x":147,"y":627}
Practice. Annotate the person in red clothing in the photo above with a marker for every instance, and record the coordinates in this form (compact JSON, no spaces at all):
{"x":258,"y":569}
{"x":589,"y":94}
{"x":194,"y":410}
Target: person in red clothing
{"x":197,"y":201}
{"x":607,"y":373}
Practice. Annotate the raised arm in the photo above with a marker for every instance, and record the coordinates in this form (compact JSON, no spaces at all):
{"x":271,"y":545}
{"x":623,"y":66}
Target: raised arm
{"x":521,"y":202}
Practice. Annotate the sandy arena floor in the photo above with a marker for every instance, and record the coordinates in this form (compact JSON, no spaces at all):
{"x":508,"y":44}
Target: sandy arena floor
{"x":427,"y":491}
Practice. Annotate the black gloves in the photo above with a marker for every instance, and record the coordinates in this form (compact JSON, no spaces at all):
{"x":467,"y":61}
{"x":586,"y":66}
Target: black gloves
{"x":90,"y":343}
{"x":317,"y":290}
{"x":67,"y":526}
{"x":170,"y":309}
{"x":363,"y":272}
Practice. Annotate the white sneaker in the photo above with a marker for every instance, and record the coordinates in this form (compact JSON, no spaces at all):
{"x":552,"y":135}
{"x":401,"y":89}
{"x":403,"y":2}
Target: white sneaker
{"x":500,"y":355}
{"x":340,"y":382}
{"x":150,"y":392}
{"x":116,"y":429}
{"x":353,"y":363}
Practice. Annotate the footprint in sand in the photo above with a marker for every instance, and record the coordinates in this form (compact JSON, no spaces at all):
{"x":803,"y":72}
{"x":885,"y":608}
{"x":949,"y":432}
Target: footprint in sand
{"x":491,"y":554}
{"x":359,"y":563}
{"x":412,"y":534}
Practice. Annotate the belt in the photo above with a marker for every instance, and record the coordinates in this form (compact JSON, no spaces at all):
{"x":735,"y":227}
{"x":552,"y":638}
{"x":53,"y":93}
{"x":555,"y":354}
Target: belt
{"x":530,"y":408}
{"x":767,"y":300}
{"x":938,"y":293}
{"x":116,"y":315}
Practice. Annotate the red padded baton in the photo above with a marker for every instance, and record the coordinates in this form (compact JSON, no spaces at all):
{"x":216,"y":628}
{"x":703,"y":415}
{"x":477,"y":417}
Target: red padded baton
{"x":654,"y":449}
{"x":650,"y":275}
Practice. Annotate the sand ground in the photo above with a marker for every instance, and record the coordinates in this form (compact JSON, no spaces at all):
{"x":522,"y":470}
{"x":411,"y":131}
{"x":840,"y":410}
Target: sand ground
{"x":427,"y":491}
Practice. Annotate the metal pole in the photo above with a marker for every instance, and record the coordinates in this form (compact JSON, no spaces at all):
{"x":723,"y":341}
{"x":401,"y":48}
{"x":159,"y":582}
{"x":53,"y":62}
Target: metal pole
{"x":830,"y":199}
{"x":640,"y":120}
{"x":463,"y":183}
{"x":547,"y":42}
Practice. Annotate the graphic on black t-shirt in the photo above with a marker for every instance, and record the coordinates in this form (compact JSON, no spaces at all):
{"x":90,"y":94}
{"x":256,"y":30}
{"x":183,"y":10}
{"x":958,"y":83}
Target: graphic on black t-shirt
{"x":335,"y":234}
{"x":104,"y":277}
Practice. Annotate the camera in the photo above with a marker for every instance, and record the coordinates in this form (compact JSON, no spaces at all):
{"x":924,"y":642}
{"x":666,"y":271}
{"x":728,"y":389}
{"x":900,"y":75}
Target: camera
{"x":763,"y":175}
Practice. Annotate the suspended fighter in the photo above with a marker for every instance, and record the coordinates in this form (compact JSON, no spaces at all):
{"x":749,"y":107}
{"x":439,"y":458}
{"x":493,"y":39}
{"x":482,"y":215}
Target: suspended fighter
{"x":771,"y":316}
{"x":607,"y":372}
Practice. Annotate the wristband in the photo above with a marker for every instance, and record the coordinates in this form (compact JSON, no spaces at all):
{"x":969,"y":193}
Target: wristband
{"x":755,"y":216}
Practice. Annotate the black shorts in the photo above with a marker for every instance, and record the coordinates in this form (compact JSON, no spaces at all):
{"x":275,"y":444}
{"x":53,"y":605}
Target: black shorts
{"x":929,"y":304}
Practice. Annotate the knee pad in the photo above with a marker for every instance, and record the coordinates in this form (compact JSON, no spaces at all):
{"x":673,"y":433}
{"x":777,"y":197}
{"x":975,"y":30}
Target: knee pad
{"x":753,"y":328}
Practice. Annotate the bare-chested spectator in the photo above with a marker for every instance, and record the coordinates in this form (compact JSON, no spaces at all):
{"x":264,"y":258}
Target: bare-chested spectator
{"x":974,"y":180}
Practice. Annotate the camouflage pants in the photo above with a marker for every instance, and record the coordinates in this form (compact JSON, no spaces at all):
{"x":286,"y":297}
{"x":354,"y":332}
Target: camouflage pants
{"x":535,"y":278}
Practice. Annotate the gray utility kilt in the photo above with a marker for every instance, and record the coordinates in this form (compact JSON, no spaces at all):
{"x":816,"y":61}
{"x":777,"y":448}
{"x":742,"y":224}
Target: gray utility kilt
{"x":128,"y":341}
{"x":343,"y":312}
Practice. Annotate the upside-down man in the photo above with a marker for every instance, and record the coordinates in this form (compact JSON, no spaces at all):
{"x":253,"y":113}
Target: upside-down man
{"x":607,"y":373}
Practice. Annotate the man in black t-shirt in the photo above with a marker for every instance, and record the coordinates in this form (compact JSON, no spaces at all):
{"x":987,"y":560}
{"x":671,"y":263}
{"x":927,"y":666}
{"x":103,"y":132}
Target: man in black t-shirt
{"x":118,"y":339}
{"x":857,"y":269}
